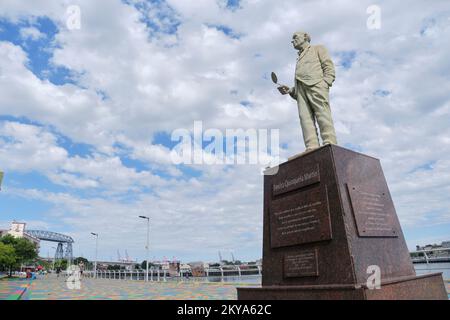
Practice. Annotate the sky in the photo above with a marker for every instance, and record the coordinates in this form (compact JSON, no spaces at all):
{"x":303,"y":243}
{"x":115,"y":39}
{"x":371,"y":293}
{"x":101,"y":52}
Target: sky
{"x":88,"y":107}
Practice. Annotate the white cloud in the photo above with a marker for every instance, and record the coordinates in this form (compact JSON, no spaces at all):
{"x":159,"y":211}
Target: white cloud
{"x":31,"y":33}
{"x":25,"y":148}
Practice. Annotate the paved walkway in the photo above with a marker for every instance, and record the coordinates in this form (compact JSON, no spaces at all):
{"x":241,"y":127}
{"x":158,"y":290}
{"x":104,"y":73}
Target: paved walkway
{"x":12,"y":289}
{"x":50,"y":287}
{"x":53,"y":288}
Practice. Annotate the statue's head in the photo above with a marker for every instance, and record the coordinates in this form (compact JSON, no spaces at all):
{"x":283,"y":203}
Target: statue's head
{"x":299,"y":38}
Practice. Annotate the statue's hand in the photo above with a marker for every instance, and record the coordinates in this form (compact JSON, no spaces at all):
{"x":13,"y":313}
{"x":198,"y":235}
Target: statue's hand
{"x":283,"y":89}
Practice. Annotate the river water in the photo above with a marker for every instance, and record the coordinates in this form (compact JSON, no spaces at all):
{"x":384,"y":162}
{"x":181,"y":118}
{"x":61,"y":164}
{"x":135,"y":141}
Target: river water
{"x":444,"y":267}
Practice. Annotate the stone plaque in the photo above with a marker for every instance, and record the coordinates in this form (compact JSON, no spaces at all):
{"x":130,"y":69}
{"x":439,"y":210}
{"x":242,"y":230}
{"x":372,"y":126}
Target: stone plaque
{"x":300,"y":218}
{"x":301,"y":264}
{"x":374,"y":212}
{"x":307,"y":176}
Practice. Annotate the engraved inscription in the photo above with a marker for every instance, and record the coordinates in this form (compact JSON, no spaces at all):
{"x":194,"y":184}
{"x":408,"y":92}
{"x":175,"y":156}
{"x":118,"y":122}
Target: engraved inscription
{"x":301,"y":264}
{"x":373,"y":208}
{"x":374,"y":213}
{"x":300,"y":218}
{"x":308,"y":176}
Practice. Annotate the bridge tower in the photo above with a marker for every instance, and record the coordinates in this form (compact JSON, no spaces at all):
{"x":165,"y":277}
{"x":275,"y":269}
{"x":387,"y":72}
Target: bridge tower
{"x":59,"y":252}
{"x":69,"y":253}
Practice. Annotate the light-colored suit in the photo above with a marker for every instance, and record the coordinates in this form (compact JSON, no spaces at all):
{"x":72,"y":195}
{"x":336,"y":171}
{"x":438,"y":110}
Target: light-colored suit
{"x":314,"y":75}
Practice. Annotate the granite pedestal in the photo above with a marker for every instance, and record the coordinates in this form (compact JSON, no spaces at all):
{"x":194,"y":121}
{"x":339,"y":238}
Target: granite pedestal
{"x":330,"y":226}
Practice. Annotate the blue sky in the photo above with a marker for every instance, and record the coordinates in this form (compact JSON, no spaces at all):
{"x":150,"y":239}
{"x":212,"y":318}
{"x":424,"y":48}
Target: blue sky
{"x":86,"y":115}
{"x":39,"y":49}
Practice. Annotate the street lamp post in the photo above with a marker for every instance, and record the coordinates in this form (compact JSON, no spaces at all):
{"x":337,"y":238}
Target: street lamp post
{"x":96,"y":248}
{"x":54,"y":258}
{"x":147,"y":246}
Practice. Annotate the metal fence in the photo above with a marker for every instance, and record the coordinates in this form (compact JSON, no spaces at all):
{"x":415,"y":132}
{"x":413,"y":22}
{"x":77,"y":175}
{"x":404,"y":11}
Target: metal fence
{"x":437,"y":255}
{"x":251,"y":274}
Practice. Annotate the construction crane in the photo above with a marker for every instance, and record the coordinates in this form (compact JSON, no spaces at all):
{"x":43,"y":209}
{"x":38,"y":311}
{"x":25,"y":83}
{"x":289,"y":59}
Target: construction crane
{"x":124,"y":259}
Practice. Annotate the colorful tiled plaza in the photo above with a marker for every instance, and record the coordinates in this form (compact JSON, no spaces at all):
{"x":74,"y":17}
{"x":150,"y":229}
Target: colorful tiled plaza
{"x":13,"y":289}
{"x":53,"y":288}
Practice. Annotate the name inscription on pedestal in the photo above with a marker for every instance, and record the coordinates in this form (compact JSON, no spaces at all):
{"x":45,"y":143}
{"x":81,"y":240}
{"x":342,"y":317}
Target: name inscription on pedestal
{"x":308,"y":176}
{"x":301,"y":264}
{"x":300,"y":218}
{"x":374,"y":212}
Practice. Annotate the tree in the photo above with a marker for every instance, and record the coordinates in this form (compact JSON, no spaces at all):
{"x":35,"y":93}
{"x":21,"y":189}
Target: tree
{"x":7,"y":256}
{"x":144,"y":265}
{"x":62,"y":264}
{"x":25,"y":250}
{"x":8,"y":239}
{"x":80,"y":259}
{"x":87,"y":264}
{"x":115,"y":267}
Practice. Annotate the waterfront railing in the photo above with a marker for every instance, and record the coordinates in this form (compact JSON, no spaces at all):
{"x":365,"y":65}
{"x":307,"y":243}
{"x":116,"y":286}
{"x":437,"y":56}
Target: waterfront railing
{"x":215,"y":274}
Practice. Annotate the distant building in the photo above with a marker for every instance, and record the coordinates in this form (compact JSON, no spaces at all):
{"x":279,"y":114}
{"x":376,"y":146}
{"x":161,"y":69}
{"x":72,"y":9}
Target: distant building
{"x":161,"y":265}
{"x":103,"y":265}
{"x":432,"y":253}
{"x":197,"y":268}
{"x":17,"y":230}
{"x":428,"y":247}
{"x":174,"y":268}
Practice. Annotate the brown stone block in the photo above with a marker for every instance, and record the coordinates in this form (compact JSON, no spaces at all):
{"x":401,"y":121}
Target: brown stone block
{"x":328,"y":216}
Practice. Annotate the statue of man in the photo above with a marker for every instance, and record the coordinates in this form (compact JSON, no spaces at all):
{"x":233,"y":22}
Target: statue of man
{"x":314,"y":75}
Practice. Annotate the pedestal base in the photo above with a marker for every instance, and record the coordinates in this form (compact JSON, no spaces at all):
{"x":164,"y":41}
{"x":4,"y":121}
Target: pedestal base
{"x":424,"y":287}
